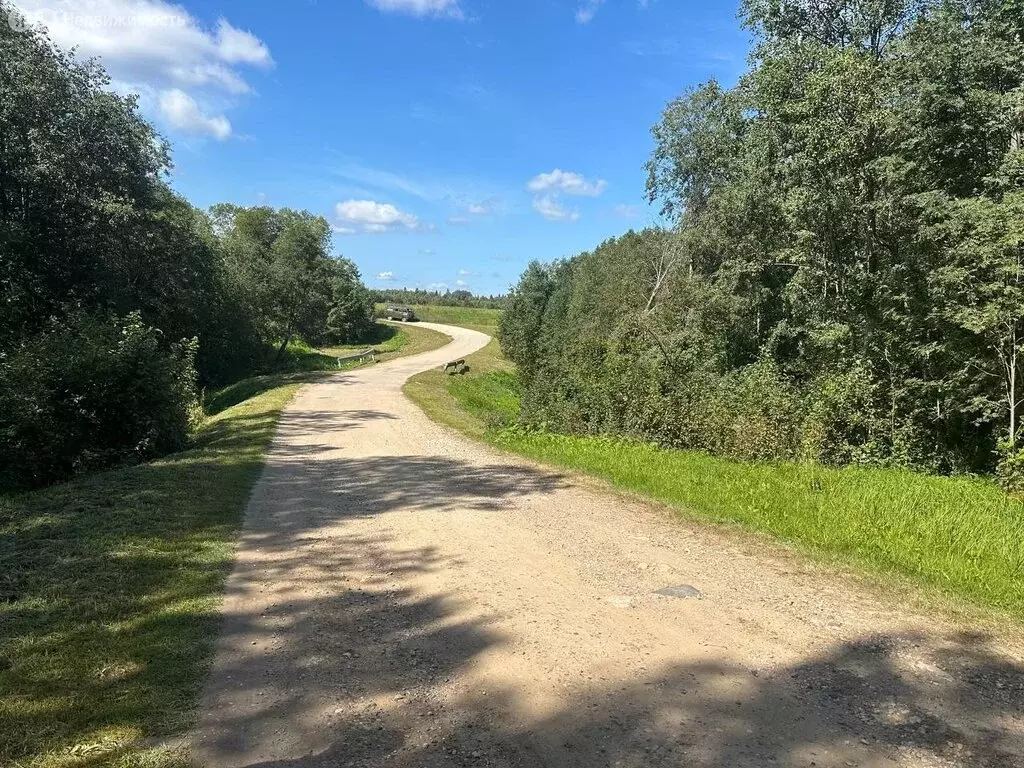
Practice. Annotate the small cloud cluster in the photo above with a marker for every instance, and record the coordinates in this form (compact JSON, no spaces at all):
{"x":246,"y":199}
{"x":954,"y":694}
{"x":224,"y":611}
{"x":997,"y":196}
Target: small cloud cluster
{"x":552,"y":210}
{"x":386,"y":277}
{"x":547,"y":189}
{"x":182,"y":111}
{"x":189,"y":74}
{"x":587,"y":10}
{"x":371,"y":217}
{"x":487,"y":207}
{"x":420,"y":8}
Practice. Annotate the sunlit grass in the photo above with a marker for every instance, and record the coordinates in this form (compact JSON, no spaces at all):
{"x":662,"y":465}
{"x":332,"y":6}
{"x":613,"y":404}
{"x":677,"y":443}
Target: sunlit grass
{"x":109,"y":587}
{"x":476,"y":318}
{"x":487,"y":394}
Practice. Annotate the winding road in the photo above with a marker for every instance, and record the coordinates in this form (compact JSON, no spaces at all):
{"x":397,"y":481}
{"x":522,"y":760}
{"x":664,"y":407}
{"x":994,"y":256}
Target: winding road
{"x":406,"y":597}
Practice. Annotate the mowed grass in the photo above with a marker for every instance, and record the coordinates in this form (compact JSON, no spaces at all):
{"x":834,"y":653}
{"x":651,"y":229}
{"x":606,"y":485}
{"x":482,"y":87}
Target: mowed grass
{"x":109,"y":587}
{"x":475,"y":318}
{"x":961,"y":537}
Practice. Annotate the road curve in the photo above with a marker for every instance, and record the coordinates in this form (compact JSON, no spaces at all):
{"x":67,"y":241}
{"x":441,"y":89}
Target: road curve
{"x":406,"y":597}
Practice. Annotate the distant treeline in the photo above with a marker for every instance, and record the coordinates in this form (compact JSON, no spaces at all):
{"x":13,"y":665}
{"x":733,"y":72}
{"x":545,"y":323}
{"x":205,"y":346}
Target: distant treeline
{"x":119,"y":298}
{"x":461,"y":298}
{"x":844,"y":278}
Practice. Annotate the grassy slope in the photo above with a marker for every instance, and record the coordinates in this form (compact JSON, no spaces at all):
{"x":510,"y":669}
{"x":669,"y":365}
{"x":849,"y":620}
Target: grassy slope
{"x":109,"y":585}
{"x":960,"y":536}
{"x":390,"y":341}
{"x":484,"y":320}
{"x":472,"y":402}
{"x":110,"y":591}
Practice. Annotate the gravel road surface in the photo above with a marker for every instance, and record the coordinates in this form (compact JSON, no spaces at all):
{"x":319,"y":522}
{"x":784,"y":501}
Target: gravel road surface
{"x":406,"y":597}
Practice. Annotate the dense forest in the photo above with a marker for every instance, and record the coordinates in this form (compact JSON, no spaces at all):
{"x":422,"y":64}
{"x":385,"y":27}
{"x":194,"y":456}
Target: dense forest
{"x":843,"y":277}
{"x":121,"y":300}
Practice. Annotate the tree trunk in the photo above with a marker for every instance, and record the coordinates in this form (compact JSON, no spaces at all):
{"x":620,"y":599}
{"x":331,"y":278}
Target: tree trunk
{"x":1013,"y":392}
{"x":282,"y":348}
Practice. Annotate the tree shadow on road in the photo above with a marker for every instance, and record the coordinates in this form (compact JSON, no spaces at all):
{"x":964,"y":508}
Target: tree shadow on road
{"x":857,"y":703}
{"x":878,"y":701}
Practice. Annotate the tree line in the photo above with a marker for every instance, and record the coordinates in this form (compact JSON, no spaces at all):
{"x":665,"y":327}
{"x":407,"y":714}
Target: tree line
{"x":843,"y":277}
{"x":120,"y":299}
{"x":419,"y":296}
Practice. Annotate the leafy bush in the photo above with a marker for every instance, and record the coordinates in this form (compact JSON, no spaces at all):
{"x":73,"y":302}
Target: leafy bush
{"x":90,"y":393}
{"x":1010,"y":471}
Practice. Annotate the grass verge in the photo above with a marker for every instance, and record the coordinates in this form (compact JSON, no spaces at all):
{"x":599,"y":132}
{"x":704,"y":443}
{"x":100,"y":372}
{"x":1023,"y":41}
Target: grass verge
{"x":958,"y":537}
{"x":109,"y":594}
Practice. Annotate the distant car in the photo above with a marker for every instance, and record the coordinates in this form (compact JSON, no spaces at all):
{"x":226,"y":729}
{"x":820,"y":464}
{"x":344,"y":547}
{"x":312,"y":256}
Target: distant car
{"x":401,"y":313}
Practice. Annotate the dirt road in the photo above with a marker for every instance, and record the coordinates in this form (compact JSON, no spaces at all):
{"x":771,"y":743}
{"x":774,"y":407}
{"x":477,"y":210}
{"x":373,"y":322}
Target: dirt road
{"x":405,"y":597}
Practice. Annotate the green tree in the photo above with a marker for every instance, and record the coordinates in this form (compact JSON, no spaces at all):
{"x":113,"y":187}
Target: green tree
{"x":350,"y":318}
{"x":520,"y":326}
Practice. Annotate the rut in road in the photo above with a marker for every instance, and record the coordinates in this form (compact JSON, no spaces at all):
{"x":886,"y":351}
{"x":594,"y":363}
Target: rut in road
{"x":406,"y":597}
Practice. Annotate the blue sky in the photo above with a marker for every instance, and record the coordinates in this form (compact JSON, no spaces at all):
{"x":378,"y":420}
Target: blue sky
{"x":448,"y":141}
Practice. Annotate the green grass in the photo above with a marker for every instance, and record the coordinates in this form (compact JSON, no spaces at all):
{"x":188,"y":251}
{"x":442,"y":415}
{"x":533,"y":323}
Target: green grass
{"x":959,"y":537}
{"x":474,"y":403}
{"x":109,"y":589}
{"x":478,"y":319}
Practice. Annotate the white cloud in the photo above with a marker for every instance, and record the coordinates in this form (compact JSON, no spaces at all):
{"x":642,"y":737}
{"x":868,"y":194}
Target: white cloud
{"x":386,"y":277}
{"x":437,"y":287}
{"x":372,"y":217}
{"x":461,"y":283}
{"x":587,"y":10}
{"x":458,"y":220}
{"x":155,"y":48}
{"x":468,"y":273}
{"x":448,"y":8}
{"x":479,"y":209}
{"x":183,"y":113}
{"x":549,"y":207}
{"x":568,"y":182}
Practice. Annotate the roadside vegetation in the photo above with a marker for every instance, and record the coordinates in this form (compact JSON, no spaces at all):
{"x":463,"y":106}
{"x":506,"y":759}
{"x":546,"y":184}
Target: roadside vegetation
{"x":954,"y":537}
{"x":109,"y":588}
{"x":121,"y":300}
{"x":843,"y":278}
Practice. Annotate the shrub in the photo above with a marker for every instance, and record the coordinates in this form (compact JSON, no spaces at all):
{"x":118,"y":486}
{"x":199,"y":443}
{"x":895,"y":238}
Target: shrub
{"x":90,"y":393}
{"x":1010,"y":470}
